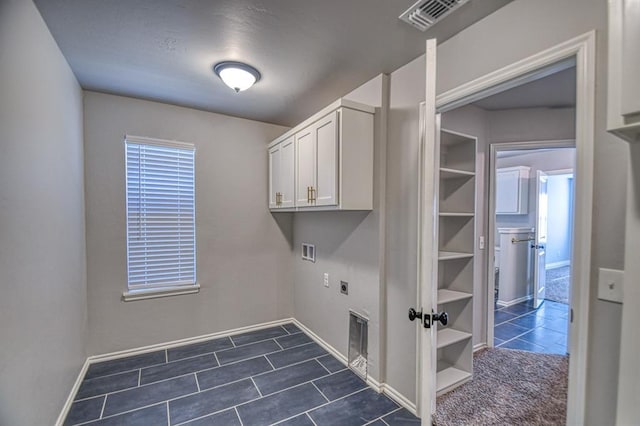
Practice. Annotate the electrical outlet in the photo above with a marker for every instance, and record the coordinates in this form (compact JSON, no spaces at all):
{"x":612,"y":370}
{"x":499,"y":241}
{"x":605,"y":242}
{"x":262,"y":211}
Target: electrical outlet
{"x":326,"y":279}
{"x":481,"y":243}
{"x":344,"y":287}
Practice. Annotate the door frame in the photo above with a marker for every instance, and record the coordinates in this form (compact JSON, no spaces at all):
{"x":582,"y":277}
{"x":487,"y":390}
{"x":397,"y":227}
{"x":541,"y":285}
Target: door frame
{"x":582,"y":50}
{"x":494,"y":148}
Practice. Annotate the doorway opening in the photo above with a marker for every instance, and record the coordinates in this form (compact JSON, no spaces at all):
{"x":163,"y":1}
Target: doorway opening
{"x":533,"y":219}
{"x":578,"y":54}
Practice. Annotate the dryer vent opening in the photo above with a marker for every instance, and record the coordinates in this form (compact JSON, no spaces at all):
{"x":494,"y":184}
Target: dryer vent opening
{"x":358,"y":339}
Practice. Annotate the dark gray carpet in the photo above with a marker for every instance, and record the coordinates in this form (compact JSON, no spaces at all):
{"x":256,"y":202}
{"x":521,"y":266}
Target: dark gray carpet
{"x":509,"y":387}
{"x":558,"y":281}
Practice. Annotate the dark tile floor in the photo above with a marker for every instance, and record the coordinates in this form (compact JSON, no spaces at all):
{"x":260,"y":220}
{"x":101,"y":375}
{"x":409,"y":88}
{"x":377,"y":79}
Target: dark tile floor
{"x":541,"y":330}
{"x":273,"y":376}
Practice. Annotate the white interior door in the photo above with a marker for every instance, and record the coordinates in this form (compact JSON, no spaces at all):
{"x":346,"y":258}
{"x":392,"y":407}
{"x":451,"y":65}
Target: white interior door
{"x":540,"y":244}
{"x":428,"y":248}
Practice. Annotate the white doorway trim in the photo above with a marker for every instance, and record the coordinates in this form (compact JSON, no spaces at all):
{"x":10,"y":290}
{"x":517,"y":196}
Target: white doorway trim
{"x":582,"y":48}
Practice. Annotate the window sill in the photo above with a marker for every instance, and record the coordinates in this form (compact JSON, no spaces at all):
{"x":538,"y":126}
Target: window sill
{"x":129,"y":296}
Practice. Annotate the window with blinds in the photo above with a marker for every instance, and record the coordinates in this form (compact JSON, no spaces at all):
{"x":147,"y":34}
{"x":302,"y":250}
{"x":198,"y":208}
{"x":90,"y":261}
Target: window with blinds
{"x":161,"y":237}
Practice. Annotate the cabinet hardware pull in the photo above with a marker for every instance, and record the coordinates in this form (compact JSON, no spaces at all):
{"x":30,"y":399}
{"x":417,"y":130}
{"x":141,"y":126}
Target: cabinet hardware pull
{"x":308,"y":195}
{"x":313,"y":194}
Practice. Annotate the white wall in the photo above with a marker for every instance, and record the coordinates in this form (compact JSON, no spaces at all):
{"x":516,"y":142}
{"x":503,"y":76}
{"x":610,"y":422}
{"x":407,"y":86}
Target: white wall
{"x":514,"y":32}
{"x":43,"y":317}
{"x":348,"y":249}
{"x":244,"y":253}
{"x":559,"y":222}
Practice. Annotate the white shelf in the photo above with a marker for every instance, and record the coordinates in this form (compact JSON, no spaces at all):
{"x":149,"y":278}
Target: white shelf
{"x":450,"y":377}
{"x":447,"y":296}
{"x":456,"y":214}
{"x":450,"y":255}
{"x":449,"y":336}
{"x":447,"y":173}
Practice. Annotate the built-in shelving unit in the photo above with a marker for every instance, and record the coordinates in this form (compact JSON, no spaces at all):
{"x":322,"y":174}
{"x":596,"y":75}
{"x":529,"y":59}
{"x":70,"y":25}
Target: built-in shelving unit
{"x":455,"y":224}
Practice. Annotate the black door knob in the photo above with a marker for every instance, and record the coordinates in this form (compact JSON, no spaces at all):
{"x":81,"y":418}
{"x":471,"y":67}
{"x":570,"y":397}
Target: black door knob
{"x":443,"y":317}
{"x":413,"y":314}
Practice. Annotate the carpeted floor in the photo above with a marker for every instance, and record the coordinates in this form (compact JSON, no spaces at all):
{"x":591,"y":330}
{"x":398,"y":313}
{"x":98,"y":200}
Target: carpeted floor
{"x":558,"y":281}
{"x":509,"y":387}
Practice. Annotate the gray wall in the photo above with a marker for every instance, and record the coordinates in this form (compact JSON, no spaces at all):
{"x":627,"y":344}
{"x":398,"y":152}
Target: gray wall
{"x":518,"y":30}
{"x":244,"y":253}
{"x":348,"y":249}
{"x":42,"y":247}
{"x":559,"y":159}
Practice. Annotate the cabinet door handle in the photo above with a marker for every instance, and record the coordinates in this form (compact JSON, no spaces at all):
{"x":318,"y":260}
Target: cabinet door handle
{"x":313,"y":194}
{"x":308,"y":195}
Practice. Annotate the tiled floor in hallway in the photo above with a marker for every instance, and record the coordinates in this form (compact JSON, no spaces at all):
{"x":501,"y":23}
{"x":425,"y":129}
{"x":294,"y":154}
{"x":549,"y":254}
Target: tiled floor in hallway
{"x":272,"y":376}
{"x":541,"y":330}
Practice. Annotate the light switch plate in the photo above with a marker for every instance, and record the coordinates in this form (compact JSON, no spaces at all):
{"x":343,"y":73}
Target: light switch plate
{"x":610,"y":285}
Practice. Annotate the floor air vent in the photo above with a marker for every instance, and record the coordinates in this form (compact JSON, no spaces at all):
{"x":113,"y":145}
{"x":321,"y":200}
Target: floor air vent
{"x":426,"y":13}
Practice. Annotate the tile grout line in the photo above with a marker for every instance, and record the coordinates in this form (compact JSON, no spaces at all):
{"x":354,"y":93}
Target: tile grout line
{"x":256,"y":386}
{"x":288,"y":333}
{"x":318,"y":389}
{"x":139,"y":377}
{"x":235,"y":408}
{"x":197,"y":383}
{"x":280,"y":346}
{"x":269,"y":361}
{"x":104,"y":403}
{"x":168,"y":415}
{"x":312,"y":421}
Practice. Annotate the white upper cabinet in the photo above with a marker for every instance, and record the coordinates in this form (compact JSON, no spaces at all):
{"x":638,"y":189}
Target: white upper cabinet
{"x":623,"y":102}
{"x":282,"y":174}
{"x":512,"y":190}
{"x":333,"y":160}
{"x":325,"y":190}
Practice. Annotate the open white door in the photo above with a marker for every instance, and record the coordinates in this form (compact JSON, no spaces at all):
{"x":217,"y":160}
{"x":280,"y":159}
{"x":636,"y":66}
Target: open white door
{"x":540,"y":243}
{"x":427,"y":250}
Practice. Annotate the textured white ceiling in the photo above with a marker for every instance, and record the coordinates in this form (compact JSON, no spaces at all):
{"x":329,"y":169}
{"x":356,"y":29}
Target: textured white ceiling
{"x":554,"y":91}
{"x":309,"y":52}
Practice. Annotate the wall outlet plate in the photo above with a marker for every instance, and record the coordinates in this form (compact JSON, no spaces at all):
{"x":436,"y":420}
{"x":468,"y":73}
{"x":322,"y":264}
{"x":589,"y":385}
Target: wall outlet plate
{"x":344,"y":287}
{"x":610,"y":285}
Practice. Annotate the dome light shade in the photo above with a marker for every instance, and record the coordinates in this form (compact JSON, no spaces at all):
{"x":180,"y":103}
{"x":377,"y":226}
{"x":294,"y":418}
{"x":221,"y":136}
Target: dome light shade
{"x":237,"y":75}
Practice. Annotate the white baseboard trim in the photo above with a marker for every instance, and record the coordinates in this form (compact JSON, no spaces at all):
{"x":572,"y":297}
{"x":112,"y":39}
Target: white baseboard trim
{"x":514,"y":301}
{"x":399,"y":398}
{"x":67,"y":405}
{"x":376,"y":385}
{"x":555,"y":265}
{"x":168,"y":345}
{"x":479,"y":346}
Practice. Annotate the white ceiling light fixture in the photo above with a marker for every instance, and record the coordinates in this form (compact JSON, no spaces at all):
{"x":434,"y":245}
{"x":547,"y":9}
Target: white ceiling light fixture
{"x":237,"y":75}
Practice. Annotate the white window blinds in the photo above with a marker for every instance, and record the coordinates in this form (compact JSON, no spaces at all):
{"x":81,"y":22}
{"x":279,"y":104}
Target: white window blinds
{"x":161,"y":239}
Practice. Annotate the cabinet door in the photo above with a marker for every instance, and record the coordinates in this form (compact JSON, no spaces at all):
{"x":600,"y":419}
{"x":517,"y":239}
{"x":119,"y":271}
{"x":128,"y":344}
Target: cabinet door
{"x":275,"y":160}
{"x":507,"y":192}
{"x":305,"y":155}
{"x":287,"y":173}
{"x":326,"y":135}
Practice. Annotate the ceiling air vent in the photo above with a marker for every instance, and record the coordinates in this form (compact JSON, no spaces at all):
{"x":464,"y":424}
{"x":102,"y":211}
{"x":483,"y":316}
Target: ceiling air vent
{"x":426,"y":13}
